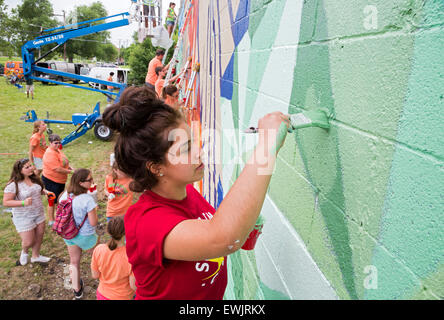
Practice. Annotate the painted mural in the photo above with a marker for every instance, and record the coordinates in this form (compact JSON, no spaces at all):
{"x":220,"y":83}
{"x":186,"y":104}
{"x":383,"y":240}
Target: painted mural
{"x":353,"y":212}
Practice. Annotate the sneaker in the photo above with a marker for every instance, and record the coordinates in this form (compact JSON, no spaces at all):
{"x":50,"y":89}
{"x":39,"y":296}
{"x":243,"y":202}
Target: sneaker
{"x":40,"y":259}
{"x":79,"y":294}
{"x":23,"y":258}
{"x":50,"y":223}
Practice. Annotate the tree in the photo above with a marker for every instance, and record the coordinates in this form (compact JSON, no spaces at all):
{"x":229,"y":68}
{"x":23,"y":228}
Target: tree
{"x":23,"y":23}
{"x":29,"y":18}
{"x":107,"y":52}
{"x":92,"y":45}
{"x":141,"y":55}
{"x":6,"y":46}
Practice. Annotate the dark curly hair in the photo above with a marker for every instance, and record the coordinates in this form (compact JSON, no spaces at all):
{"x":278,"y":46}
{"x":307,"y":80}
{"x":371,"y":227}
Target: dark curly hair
{"x":143,"y":122}
{"x":17,"y":176}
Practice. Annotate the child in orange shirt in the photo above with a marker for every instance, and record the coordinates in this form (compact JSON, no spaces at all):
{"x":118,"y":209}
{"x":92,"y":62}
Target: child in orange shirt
{"x":120,"y":197}
{"x":37,"y":146}
{"x":109,"y":264}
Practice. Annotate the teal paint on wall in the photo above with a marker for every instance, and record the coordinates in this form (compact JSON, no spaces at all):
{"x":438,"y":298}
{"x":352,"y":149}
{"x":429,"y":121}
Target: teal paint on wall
{"x":412,"y":229}
{"x":319,"y":151}
{"x":368,"y":192}
{"x":270,"y":294}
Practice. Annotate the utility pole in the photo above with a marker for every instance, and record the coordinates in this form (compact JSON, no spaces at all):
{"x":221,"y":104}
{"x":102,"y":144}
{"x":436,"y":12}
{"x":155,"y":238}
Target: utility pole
{"x":64,"y":45}
{"x":118,"y":58}
{"x":64,"y":24}
{"x":41,"y":32}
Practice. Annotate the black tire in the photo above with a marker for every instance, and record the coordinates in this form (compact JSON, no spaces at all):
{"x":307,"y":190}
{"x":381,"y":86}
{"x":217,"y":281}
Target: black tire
{"x":102,"y":132}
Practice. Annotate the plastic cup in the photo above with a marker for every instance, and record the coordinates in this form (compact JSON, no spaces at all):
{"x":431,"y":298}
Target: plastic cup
{"x":93,"y":188}
{"x":111,"y":189}
{"x":51,"y":199}
{"x":60,"y":147}
{"x":252,"y":237}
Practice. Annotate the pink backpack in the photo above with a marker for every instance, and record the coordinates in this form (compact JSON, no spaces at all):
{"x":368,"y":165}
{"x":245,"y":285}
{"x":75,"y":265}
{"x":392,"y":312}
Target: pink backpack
{"x":64,"y":224}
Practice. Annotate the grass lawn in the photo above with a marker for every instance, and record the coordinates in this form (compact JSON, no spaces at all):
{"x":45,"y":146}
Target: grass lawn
{"x":39,"y":281}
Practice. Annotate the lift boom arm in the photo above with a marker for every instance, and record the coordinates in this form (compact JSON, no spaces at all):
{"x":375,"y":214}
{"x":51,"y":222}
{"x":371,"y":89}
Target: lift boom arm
{"x":62,"y":34}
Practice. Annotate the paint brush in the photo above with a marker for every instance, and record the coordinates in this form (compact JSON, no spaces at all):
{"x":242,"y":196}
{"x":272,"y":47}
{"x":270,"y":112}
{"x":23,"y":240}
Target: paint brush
{"x":305,"y":119}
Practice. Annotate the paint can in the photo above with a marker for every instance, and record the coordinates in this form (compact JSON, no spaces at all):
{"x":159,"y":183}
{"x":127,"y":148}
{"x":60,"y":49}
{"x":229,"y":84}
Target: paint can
{"x":250,"y":243}
{"x":93,"y":193}
{"x":51,"y":198}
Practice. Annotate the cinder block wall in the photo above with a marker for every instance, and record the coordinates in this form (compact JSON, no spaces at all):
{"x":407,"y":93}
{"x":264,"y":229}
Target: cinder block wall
{"x":355,"y":212}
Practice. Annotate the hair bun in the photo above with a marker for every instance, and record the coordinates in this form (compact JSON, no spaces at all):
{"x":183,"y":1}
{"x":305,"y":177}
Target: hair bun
{"x":133,"y":110}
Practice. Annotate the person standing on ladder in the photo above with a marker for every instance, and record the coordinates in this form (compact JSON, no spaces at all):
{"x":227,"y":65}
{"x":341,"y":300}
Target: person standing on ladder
{"x":151,"y":76}
{"x":149,"y":11}
{"x":171,"y":18}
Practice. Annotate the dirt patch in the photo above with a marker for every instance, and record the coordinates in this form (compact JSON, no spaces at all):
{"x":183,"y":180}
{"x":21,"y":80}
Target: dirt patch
{"x":50,"y":281}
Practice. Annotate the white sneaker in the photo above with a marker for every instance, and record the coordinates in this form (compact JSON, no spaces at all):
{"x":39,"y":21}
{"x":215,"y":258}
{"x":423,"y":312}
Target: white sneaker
{"x":23,"y":258}
{"x":41,"y":259}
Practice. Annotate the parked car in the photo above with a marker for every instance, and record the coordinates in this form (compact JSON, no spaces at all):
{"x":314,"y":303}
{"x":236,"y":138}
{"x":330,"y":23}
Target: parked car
{"x":120,"y":75}
{"x":84,"y":70}
{"x":59,"y":66}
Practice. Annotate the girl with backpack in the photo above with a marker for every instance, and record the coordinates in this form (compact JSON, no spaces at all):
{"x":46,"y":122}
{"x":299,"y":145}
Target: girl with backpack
{"x":23,"y":193}
{"x":176,"y":241}
{"x":84,"y":211}
{"x":109,"y":264}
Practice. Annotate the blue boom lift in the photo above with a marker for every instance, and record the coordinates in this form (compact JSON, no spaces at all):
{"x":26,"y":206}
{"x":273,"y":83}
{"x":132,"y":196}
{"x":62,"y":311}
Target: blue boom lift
{"x":60,"y":35}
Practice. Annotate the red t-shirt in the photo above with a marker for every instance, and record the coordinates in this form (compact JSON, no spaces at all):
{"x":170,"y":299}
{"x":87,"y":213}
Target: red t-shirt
{"x":147,"y":223}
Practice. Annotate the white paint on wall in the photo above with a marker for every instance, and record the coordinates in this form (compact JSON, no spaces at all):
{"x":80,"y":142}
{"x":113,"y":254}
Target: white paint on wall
{"x":292,"y":270}
{"x":277,"y":81}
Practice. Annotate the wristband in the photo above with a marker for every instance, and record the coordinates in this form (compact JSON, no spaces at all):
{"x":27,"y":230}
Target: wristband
{"x":23,"y":203}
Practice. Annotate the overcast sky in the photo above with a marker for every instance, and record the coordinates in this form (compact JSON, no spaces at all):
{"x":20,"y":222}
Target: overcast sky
{"x":112,"y":7}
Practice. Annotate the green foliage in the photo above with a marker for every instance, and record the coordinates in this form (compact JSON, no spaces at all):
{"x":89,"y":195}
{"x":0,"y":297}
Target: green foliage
{"x":5,"y":44}
{"x":24,"y":24}
{"x":140,"y":54}
{"x":92,"y":45}
{"x":170,"y":52}
{"x":107,"y":52}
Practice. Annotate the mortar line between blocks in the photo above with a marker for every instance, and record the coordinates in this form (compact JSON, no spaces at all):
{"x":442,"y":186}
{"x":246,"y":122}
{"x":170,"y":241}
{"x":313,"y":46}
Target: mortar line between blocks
{"x":431,"y":157}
